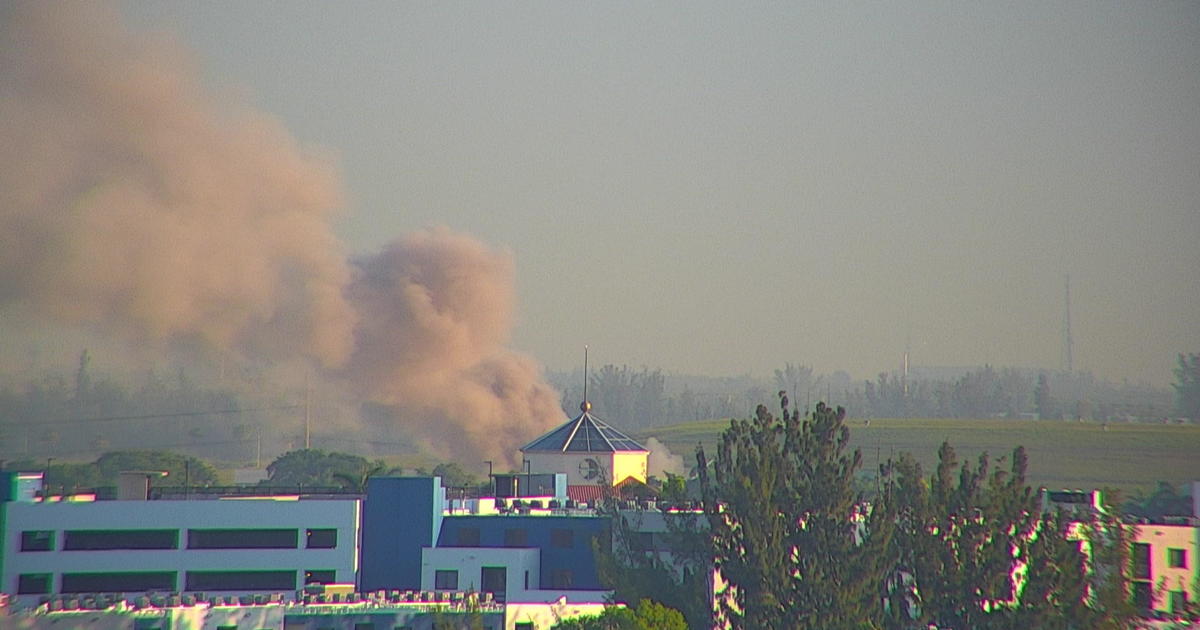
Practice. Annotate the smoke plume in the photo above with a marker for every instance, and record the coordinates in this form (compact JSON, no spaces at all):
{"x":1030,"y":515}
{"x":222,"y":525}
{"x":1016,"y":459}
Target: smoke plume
{"x":134,"y":204}
{"x":662,"y":460}
{"x":435,"y":312}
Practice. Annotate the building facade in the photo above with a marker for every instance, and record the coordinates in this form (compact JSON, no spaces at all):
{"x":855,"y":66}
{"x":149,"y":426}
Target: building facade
{"x":235,"y":547}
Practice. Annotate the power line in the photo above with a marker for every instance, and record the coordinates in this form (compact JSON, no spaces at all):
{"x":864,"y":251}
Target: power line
{"x":178,"y":414}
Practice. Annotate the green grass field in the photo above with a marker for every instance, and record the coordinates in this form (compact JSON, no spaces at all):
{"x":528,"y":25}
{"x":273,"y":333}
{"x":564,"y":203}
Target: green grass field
{"x":1086,"y":455}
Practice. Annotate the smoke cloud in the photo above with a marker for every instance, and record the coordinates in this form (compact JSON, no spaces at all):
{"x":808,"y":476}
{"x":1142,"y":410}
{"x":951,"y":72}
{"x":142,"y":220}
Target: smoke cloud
{"x":134,"y":204}
{"x":662,"y":460}
{"x":435,"y":312}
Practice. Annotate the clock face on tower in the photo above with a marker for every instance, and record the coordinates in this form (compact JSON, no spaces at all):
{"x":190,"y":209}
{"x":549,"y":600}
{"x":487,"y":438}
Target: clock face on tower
{"x":589,"y":468}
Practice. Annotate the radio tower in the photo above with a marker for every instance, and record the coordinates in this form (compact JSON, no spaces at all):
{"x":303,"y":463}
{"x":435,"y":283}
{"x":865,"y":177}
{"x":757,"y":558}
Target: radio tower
{"x":1068,"y":360}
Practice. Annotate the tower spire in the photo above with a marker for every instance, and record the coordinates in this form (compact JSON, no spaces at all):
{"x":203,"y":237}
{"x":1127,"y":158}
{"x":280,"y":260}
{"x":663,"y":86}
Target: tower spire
{"x":585,"y":406}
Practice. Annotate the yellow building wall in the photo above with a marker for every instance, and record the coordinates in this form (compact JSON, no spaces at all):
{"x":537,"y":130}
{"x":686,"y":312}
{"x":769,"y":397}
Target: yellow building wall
{"x":630,"y":464}
{"x":1162,"y":538}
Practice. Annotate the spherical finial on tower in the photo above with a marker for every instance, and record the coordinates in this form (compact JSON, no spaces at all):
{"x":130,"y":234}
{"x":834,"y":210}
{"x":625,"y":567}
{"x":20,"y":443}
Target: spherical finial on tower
{"x":585,"y":406}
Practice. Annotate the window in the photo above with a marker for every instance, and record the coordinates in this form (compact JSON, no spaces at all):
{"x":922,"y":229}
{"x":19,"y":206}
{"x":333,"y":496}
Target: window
{"x":1177,"y":558}
{"x":642,"y":541}
{"x":242,"y":538}
{"x":1178,"y":601}
{"x":516,"y":538}
{"x":320,"y":576}
{"x":563,"y":538}
{"x":1142,"y":596}
{"x":562,"y":578}
{"x":445,"y":580}
{"x":40,"y":540}
{"x":118,"y":581}
{"x":1141,"y":561}
{"x":112,"y":539}
{"x":241,"y":580}
{"x":321,"y":538}
{"x":524,"y":625}
{"x":494,"y":580}
{"x":33,"y":583}
{"x":468,"y":537}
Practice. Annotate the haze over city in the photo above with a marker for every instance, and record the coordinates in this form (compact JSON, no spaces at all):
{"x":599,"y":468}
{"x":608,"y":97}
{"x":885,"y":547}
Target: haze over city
{"x":718,"y":189}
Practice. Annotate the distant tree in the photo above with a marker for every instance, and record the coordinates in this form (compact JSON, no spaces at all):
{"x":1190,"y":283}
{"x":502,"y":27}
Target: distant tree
{"x":177,"y":466}
{"x":1187,"y":386}
{"x":454,"y":476}
{"x":625,"y":397}
{"x":104,"y":472}
{"x":796,"y":543}
{"x":83,"y":379}
{"x":797,"y":379}
{"x":1164,"y":501}
{"x":357,"y":481}
{"x":1042,"y":403}
{"x":314,"y":467}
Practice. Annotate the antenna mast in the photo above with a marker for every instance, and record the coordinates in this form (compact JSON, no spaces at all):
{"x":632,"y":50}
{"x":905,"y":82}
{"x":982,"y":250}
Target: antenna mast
{"x":585,"y":405}
{"x":1068,"y":359}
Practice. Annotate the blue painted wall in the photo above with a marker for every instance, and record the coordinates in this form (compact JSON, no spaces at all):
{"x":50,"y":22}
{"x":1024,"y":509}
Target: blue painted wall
{"x":578,"y":558}
{"x":400,"y":516}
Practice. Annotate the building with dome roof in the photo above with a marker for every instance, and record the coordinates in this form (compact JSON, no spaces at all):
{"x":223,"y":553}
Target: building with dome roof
{"x":591,"y":452}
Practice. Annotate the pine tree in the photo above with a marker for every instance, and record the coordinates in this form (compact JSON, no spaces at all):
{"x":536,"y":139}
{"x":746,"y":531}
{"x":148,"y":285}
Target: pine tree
{"x":795,"y":542}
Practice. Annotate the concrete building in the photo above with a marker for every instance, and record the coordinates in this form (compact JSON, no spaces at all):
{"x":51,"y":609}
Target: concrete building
{"x":249,"y":546}
{"x":529,"y":555}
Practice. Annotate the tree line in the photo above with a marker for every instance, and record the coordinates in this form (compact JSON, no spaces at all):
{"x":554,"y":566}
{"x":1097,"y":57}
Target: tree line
{"x":641,"y":398}
{"x":798,"y":543}
{"x":299,"y":469}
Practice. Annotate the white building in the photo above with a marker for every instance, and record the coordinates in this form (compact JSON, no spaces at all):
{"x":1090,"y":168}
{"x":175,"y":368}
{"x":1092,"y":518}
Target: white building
{"x":229,"y":547}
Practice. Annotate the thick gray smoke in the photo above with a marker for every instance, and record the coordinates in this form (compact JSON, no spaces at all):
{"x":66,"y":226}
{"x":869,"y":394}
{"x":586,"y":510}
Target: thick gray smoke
{"x":133,"y":204}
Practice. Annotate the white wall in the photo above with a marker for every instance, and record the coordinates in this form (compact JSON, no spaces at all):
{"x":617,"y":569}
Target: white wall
{"x":469,"y":561}
{"x":342,"y":515}
{"x":569,"y":463}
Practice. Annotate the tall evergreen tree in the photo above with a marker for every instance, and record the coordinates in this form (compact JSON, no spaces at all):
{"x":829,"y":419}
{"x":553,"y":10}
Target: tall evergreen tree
{"x":797,"y":545}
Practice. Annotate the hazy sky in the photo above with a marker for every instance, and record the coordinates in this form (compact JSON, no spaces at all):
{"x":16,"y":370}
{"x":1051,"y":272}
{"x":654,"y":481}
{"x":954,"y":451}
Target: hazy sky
{"x":725,"y":187}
